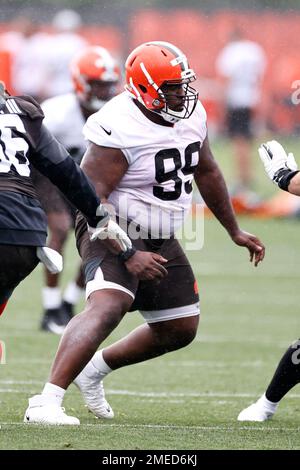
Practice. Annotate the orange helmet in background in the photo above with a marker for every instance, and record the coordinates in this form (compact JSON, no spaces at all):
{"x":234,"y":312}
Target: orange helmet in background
{"x":95,"y":75}
{"x":153,"y":65}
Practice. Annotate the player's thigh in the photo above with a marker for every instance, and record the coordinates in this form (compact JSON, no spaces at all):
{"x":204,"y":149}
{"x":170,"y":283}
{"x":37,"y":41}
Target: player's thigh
{"x":108,"y":304}
{"x":176,"y":331}
{"x":103,"y":271}
{"x":176,"y":296}
{"x":59,"y":223}
{"x":17,"y":262}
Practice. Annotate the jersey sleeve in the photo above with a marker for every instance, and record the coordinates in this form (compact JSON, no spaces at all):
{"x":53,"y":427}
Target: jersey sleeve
{"x":28,"y":107}
{"x":101,"y":131}
{"x":31,"y":114}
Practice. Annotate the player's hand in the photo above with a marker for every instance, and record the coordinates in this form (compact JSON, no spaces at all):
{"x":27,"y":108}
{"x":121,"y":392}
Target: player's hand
{"x":276,"y":161}
{"x":147,"y":266}
{"x":111,"y":230}
{"x":254,"y":245}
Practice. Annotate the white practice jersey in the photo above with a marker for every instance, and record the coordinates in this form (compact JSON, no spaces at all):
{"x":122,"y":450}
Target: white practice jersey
{"x":63,"y":117}
{"x":243,"y":63}
{"x":156,"y":190}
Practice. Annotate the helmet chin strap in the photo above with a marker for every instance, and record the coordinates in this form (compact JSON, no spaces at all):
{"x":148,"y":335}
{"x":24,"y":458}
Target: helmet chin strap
{"x":166,"y":117}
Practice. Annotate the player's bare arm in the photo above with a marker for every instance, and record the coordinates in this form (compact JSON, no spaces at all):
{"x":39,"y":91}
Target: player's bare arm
{"x":106,"y":167}
{"x":294,"y":186}
{"x":211,"y":184}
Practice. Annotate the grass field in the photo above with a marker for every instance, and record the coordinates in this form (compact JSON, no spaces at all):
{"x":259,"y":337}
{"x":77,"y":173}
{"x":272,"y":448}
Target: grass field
{"x":188,"y":399}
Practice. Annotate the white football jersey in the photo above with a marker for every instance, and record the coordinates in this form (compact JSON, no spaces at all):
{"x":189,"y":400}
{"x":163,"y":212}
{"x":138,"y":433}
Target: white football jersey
{"x":63,"y":117}
{"x":243,"y":63}
{"x":156,"y":190}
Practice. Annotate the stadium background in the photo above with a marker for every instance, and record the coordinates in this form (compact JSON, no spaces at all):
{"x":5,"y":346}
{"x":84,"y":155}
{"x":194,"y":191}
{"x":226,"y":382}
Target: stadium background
{"x":200,"y":28}
{"x":189,"y":399}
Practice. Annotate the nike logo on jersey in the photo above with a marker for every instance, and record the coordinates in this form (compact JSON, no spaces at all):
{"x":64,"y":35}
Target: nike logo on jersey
{"x":105,"y":130}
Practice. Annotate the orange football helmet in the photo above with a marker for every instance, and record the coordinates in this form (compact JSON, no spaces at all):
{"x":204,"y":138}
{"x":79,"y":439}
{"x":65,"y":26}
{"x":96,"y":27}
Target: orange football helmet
{"x":156,"y":65}
{"x":95,"y":75}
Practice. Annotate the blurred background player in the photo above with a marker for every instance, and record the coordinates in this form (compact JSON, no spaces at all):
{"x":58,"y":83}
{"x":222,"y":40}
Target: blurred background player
{"x":19,"y":28}
{"x":29,"y":59}
{"x":283,"y":171}
{"x":64,"y":44}
{"x":241,"y":64}
{"x":41,"y":63}
{"x":95,"y":76}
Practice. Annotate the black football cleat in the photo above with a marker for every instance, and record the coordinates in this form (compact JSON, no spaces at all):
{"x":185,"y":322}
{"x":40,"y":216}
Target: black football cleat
{"x":53,"y":321}
{"x":67,"y":312}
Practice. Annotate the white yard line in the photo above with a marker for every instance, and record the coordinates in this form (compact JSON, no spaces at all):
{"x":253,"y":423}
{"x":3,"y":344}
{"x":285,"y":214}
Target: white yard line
{"x":210,"y":364}
{"x":215,"y":364}
{"x":172,"y":427}
{"x":20,"y":382}
{"x":22,"y":334}
{"x":135,"y":393}
{"x":21,"y":392}
{"x":234,"y":340}
{"x":200,"y":338}
{"x":31,"y":361}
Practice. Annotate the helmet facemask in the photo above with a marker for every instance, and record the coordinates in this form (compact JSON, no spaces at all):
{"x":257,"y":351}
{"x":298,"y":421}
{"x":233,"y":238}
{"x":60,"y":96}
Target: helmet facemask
{"x":96,"y":93}
{"x":186,"y":101}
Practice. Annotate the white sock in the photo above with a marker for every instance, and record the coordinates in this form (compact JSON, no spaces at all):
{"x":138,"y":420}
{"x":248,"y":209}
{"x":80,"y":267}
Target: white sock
{"x":97,"y":366}
{"x":53,"y":393}
{"x":269,"y":405}
{"x":51,"y":297}
{"x":73,"y":293}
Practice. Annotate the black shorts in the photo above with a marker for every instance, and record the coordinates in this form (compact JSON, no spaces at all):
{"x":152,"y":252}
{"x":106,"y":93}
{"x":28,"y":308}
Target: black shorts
{"x":239,"y":122}
{"x":17,"y":262}
{"x":175,"y":296}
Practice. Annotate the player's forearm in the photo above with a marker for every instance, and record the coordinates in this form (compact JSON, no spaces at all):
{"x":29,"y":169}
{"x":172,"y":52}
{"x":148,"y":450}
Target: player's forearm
{"x":214,"y":192}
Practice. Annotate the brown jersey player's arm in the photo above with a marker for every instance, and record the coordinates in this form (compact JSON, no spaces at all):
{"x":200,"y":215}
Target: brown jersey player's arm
{"x":212,"y":187}
{"x":53,"y":161}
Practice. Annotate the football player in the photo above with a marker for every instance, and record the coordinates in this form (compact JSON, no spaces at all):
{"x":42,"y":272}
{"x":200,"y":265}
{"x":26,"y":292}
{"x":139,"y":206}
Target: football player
{"x":282,"y":169}
{"x":146,"y":146}
{"x":25,"y":141}
{"x":95,"y":76}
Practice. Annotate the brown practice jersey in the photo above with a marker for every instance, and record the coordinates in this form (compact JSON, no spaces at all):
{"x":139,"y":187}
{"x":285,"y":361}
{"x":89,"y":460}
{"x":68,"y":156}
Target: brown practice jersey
{"x":25,"y":141}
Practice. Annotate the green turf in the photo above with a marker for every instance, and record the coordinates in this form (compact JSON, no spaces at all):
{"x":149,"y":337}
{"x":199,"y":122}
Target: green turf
{"x":188,"y":399}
